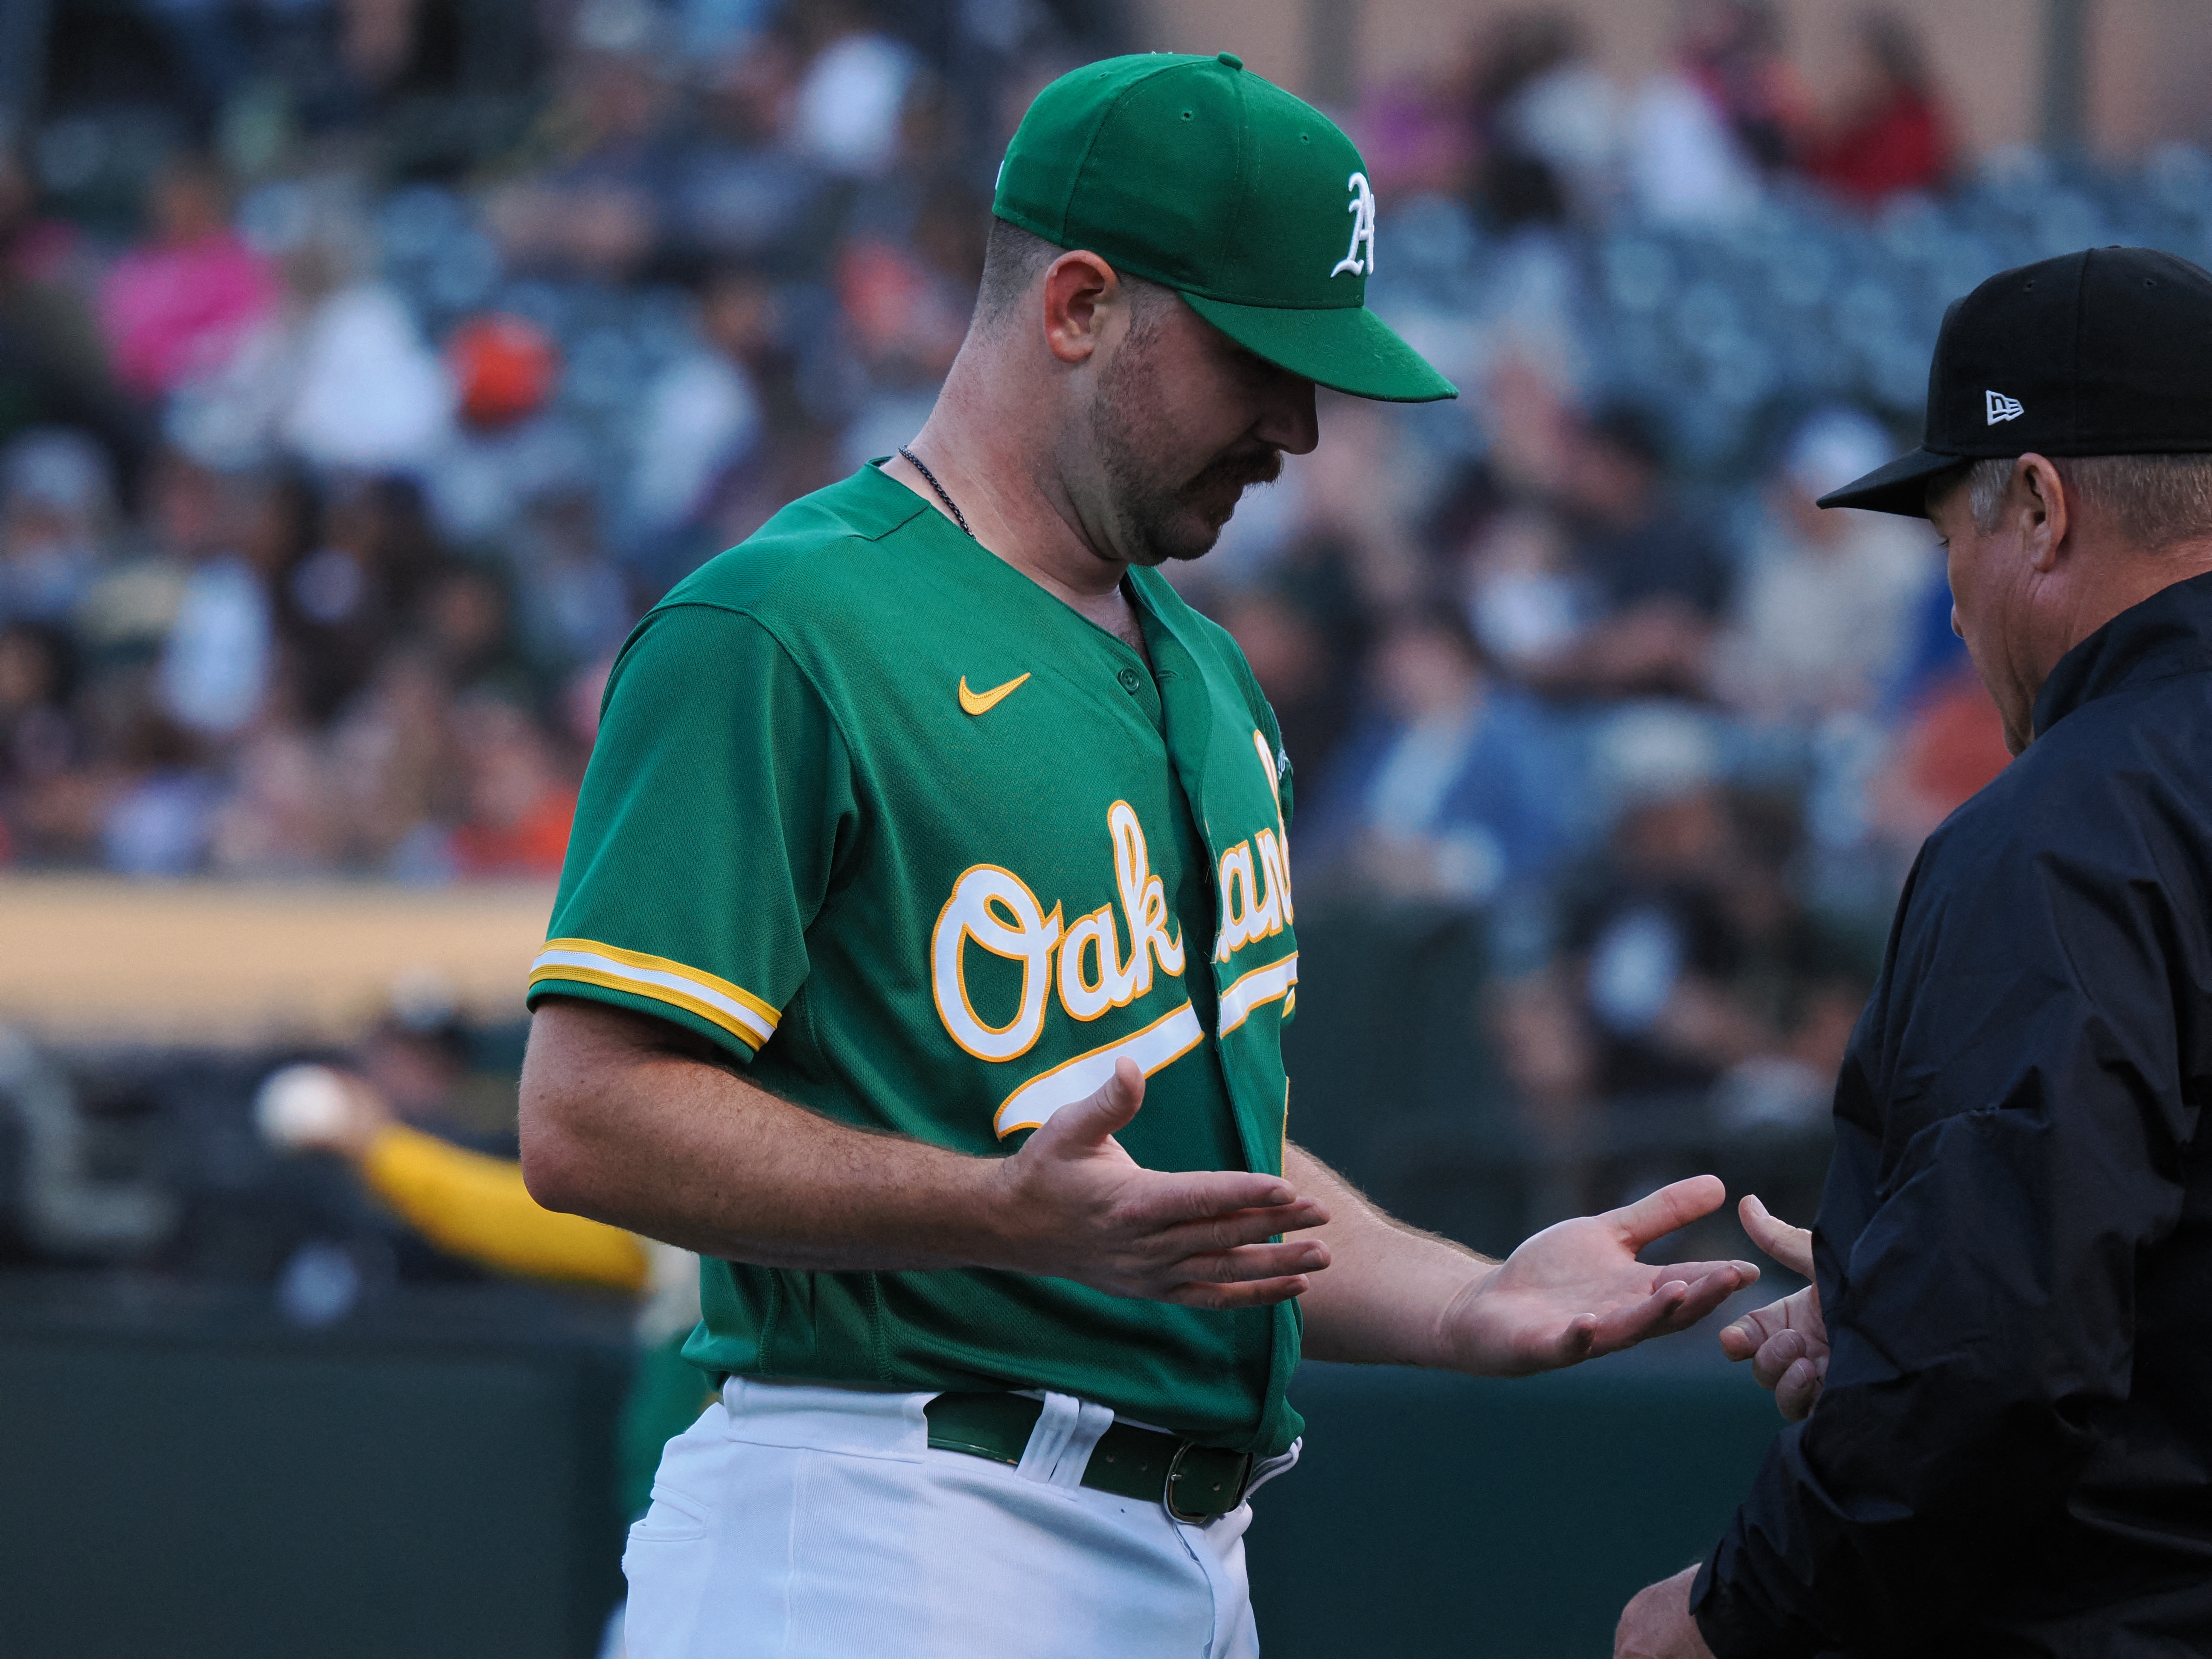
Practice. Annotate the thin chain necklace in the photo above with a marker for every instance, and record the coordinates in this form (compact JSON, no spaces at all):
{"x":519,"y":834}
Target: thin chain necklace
{"x":930,"y":478}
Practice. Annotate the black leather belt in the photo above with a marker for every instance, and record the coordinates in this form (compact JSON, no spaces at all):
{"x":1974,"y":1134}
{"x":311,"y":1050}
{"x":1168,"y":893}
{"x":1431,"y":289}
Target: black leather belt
{"x":1194,"y":1483}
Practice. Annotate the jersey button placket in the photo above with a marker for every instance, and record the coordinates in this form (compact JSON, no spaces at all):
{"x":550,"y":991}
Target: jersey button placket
{"x":1130,"y":679}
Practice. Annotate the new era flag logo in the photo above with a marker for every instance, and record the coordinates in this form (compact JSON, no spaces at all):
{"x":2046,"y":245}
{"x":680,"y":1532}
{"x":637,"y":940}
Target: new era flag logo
{"x":2002,"y":408}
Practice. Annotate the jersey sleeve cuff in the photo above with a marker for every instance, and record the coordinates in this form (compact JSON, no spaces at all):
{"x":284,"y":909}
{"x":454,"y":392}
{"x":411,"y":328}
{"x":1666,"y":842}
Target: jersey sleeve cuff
{"x":657,"y":985}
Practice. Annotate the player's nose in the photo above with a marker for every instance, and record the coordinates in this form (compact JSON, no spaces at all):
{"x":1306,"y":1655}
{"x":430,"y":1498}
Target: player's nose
{"x":1288,"y":422}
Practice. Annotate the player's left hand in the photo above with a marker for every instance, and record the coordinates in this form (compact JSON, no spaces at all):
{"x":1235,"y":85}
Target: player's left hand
{"x":1658,"y":1624}
{"x":1576,"y":1291}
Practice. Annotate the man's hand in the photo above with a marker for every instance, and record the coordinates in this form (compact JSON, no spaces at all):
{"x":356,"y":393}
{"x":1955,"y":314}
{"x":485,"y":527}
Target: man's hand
{"x":1786,"y":1341}
{"x":1658,"y":1624}
{"x":1074,"y":1205}
{"x":1576,"y":1291}
{"x":316,"y":1109}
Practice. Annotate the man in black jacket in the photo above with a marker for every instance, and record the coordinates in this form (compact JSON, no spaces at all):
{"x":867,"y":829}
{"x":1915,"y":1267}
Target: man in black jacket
{"x":2009,"y":1449}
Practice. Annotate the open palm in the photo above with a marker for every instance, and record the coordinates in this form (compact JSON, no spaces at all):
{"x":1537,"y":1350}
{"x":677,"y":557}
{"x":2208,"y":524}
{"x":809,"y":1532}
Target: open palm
{"x":1575,"y":1290}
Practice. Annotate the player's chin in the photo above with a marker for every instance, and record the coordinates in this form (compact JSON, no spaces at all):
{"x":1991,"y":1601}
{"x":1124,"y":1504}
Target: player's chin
{"x":1177,"y":543}
{"x":1191,"y":533}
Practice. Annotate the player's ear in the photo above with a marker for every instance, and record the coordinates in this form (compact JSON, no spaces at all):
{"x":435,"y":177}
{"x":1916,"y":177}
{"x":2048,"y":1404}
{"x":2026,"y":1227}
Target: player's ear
{"x":1078,"y":287}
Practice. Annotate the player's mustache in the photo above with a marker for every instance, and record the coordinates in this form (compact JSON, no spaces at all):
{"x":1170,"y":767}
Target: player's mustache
{"x":1241,"y":468}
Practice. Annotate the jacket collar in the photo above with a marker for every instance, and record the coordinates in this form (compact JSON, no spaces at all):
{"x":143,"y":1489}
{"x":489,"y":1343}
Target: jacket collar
{"x":2168,"y":633}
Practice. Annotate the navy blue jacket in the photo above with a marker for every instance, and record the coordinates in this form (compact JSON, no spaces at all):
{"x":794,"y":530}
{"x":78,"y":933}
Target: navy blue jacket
{"x":2012,"y":1452}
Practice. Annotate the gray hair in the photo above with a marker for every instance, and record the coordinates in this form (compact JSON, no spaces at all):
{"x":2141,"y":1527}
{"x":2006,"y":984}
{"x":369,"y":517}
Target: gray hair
{"x":2155,"y":501}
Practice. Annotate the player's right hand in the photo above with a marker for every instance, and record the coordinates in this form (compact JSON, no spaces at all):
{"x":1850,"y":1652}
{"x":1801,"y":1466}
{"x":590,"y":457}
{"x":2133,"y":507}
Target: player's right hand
{"x":1786,"y":1341}
{"x":1071,"y":1204}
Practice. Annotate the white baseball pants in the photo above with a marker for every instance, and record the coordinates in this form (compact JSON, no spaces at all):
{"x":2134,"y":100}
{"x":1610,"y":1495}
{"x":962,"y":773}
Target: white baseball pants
{"x":802,"y":1521}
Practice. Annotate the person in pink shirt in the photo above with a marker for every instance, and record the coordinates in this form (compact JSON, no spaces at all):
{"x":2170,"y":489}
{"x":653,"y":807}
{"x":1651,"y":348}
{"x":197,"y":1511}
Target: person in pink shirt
{"x":178,"y":306}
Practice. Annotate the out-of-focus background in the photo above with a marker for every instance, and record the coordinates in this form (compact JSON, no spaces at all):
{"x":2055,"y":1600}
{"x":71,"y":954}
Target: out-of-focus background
{"x":368,"y":366}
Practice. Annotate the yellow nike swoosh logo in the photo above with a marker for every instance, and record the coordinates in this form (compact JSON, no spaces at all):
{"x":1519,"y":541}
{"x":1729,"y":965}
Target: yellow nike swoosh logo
{"x":981,"y":703}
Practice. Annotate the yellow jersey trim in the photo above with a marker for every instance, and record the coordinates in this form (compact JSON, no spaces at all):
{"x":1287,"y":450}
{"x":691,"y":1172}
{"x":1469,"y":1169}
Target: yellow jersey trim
{"x":588,"y":962}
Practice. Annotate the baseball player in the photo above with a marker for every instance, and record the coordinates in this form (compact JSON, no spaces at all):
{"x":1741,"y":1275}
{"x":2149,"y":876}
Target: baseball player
{"x":925,"y":940}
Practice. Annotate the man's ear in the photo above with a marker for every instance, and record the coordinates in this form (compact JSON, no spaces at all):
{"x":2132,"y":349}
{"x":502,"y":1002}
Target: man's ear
{"x":1080,"y":289}
{"x":2042,"y":510}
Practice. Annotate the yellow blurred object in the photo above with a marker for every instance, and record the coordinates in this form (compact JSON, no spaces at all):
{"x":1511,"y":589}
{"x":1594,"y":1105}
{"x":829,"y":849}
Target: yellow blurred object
{"x":92,"y":959}
{"x":476,"y":1207}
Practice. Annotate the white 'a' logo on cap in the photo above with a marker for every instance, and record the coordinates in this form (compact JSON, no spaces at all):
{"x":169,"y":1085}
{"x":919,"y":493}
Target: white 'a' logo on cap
{"x":1362,"y":209}
{"x":1999,"y":407}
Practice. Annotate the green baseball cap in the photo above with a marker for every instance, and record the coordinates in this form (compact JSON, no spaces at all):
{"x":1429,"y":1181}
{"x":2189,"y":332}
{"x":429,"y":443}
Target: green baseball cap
{"x":1199,"y":175}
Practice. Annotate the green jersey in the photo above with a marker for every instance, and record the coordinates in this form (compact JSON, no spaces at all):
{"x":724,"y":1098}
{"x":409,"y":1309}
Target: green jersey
{"x":930,"y":851}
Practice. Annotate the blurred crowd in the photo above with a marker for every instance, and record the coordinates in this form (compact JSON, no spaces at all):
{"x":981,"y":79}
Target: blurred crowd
{"x":366,"y":369}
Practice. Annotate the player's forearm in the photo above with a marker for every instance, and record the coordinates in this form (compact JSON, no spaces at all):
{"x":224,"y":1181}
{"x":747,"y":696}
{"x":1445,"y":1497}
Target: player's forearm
{"x":619,"y":1127}
{"x":1384,"y":1299}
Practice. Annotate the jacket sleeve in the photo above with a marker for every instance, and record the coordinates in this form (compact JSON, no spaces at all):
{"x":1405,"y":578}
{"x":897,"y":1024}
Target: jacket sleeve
{"x":2010,"y":1129}
{"x":477,"y":1208}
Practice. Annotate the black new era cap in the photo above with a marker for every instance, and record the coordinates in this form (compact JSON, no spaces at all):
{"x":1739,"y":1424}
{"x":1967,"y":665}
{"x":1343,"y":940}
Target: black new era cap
{"x":2103,"y":352}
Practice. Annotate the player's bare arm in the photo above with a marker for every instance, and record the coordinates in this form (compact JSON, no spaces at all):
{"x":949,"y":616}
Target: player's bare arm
{"x":632,"y":1120}
{"x":1395,"y":1295}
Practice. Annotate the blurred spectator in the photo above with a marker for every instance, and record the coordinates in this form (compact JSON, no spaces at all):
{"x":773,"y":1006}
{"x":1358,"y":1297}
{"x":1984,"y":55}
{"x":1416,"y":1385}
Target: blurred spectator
{"x":34,"y":248}
{"x":339,"y":376}
{"x":1732,"y":51}
{"x":740,"y":192}
{"x":217,"y":660}
{"x":1551,"y":107}
{"x":1525,"y":600}
{"x":846,"y":112}
{"x":1543,"y":116}
{"x":1685,"y":957}
{"x":53,"y":365}
{"x":1305,"y":633}
{"x":211,"y":45}
{"x":146,"y":808}
{"x":908,"y":295}
{"x":181,"y":302}
{"x":1418,"y":134}
{"x":1448,"y":792}
{"x":1699,"y":136}
{"x":512,"y":445}
{"x":772,"y":334}
{"x":1629,"y":605}
{"x":366,"y":391}
{"x":1825,"y":599}
{"x":281,"y":816}
{"x":348,"y":578}
{"x":38,"y":738}
{"x":57,"y":513}
{"x":575,"y":602}
{"x":520,"y":801}
{"x":701,"y":416}
{"x":600,"y":169}
{"x":1889,"y":133}
{"x":1952,"y":744}
{"x":467,"y":629}
{"x":505,"y":369}
{"x":396,"y":772}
